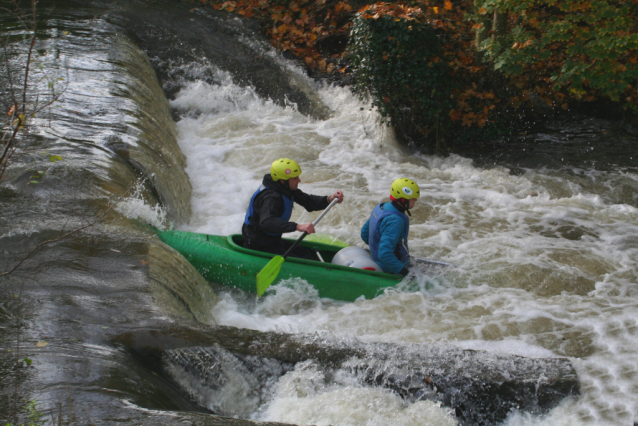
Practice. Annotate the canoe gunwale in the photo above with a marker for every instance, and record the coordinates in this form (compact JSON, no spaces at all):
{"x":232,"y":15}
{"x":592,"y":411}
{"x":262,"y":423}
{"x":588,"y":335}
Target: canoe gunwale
{"x":312,"y":263}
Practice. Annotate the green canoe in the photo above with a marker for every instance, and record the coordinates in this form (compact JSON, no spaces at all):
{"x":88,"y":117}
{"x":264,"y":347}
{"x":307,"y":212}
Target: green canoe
{"x":223,"y":260}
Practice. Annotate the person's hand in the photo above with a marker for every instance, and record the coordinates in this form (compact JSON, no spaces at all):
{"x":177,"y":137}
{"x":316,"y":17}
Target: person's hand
{"x":307,"y":227}
{"x":338,"y":195}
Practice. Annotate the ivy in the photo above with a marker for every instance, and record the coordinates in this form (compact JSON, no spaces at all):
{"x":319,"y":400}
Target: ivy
{"x":397,"y":62}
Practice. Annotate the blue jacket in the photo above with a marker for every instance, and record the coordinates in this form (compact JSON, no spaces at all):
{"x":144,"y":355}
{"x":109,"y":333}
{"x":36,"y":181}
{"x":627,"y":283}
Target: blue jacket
{"x":389,"y":241}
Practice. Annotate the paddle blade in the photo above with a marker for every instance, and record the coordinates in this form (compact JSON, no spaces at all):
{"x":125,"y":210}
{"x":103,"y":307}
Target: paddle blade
{"x":267,"y":275}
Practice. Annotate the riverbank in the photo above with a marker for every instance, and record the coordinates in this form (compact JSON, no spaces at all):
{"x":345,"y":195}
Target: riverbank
{"x":487,"y":103}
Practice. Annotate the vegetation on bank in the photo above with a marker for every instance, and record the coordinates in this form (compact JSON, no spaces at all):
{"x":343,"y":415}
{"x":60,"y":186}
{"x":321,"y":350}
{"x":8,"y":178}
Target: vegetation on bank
{"x":446,"y":71}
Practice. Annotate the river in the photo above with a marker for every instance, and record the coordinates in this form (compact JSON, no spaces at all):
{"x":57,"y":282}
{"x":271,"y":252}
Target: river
{"x":543,"y":231}
{"x":545,"y":255}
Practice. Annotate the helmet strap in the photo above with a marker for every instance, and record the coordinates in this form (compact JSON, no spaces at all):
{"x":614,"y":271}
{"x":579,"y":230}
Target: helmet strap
{"x":401,"y":205}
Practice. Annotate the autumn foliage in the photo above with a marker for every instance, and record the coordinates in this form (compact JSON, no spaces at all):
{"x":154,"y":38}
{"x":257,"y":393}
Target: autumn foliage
{"x":581,"y":50}
{"x":552,"y":52}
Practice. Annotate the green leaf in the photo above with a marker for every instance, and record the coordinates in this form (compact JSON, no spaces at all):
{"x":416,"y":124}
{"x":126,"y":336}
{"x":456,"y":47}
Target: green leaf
{"x":28,"y":361}
{"x":34,"y":182}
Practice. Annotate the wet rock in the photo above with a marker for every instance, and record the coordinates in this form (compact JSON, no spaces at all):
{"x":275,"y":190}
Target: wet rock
{"x":481,"y":387}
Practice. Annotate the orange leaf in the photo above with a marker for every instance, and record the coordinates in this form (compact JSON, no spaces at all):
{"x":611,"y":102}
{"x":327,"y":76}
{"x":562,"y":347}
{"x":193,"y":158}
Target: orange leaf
{"x":448,"y":5}
{"x":436,"y":10}
{"x":482,"y":11}
{"x":467,"y":121}
{"x":229,"y":6}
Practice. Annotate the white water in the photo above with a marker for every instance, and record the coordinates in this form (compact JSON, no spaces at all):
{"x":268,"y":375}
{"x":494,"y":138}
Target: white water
{"x":547,"y":260}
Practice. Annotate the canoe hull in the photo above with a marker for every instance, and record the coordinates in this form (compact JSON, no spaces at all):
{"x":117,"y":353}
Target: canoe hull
{"x":223,"y":260}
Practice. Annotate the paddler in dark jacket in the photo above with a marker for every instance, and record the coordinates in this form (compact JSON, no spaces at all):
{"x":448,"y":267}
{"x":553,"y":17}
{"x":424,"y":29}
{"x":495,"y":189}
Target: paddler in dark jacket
{"x":386,"y":232}
{"x":270,"y":208}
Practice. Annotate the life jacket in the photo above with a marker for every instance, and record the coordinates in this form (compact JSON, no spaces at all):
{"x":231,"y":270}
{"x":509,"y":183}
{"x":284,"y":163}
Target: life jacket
{"x":401,"y":250}
{"x":288,"y":204}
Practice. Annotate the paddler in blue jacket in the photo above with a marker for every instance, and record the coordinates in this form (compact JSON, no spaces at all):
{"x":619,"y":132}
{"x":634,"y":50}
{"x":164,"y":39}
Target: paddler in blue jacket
{"x":270,"y":208}
{"x":386,"y":232}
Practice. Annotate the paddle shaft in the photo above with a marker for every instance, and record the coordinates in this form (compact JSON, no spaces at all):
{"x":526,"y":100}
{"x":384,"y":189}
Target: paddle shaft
{"x":430,"y":262}
{"x":296,"y":243}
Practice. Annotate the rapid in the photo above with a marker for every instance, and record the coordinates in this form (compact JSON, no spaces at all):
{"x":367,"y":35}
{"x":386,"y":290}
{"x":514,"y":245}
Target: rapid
{"x":542,"y":232}
{"x":545,"y":256}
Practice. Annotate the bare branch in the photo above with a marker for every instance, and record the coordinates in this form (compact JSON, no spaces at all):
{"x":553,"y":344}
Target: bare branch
{"x":22,"y":110}
{"x":26,"y":74}
{"x":14,"y":98}
{"x":9,"y":148}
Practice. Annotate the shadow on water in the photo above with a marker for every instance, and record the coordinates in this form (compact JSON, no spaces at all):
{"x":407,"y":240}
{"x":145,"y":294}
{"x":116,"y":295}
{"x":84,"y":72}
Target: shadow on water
{"x":574,"y":144}
{"x":599,"y":155}
{"x":80,"y":309}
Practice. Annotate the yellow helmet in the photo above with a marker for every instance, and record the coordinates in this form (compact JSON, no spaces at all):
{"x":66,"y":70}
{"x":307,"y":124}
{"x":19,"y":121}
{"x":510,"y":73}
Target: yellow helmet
{"x":405,"y":188}
{"x":284,"y":169}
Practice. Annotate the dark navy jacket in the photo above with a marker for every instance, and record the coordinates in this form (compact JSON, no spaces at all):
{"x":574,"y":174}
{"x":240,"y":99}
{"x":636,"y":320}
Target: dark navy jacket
{"x":264,"y":227}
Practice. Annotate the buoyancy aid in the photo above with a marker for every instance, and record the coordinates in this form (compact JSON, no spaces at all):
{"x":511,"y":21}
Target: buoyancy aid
{"x":288,"y":205}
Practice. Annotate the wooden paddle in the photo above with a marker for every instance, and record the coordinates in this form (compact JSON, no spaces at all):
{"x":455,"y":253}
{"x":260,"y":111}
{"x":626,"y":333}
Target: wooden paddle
{"x":267,"y":275}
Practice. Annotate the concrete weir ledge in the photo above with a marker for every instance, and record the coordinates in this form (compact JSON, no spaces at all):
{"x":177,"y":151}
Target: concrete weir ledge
{"x":481,"y":387}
